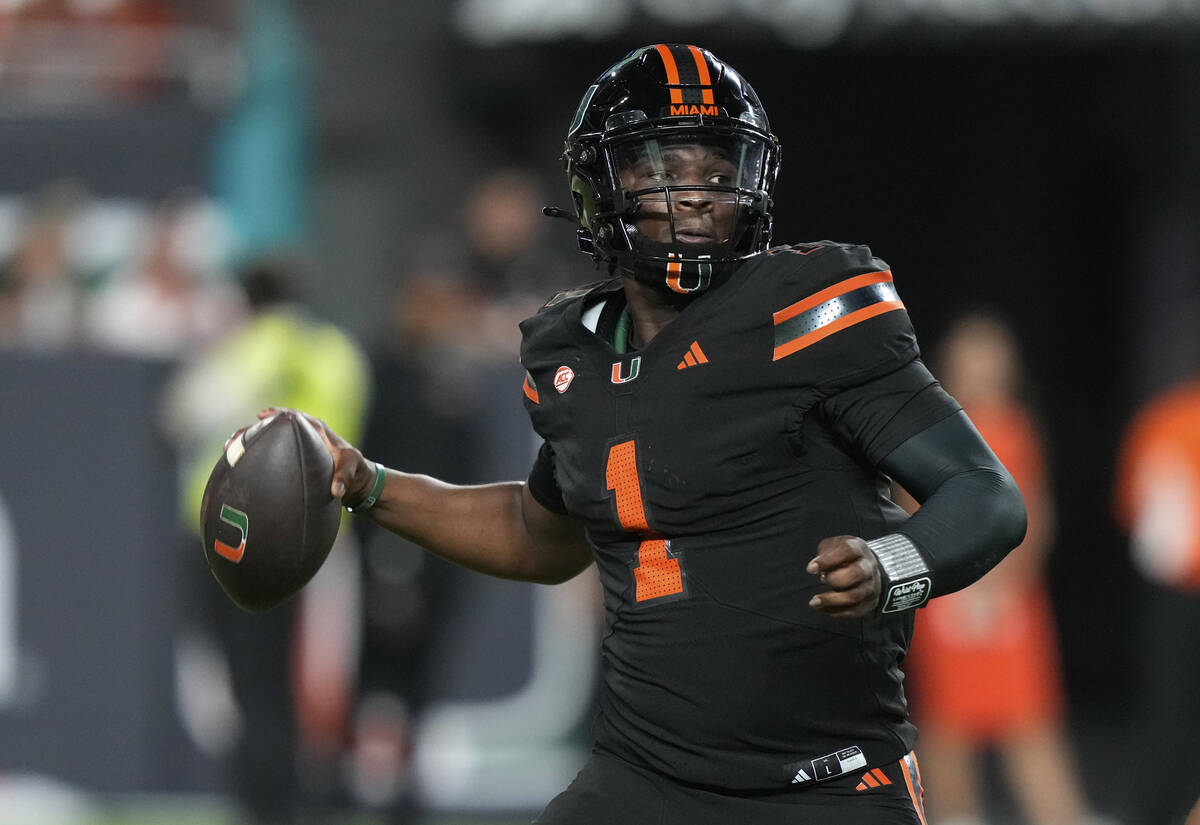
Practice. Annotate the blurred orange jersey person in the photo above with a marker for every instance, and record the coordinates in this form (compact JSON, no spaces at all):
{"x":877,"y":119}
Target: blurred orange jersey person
{"x":1157,"y":501}
{"x":984,"y":661}
{"x":1158,"y":488}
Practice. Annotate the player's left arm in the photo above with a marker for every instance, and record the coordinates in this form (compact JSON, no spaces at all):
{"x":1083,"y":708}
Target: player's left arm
{"x":971,"y":516}
{"x":839,"y":325}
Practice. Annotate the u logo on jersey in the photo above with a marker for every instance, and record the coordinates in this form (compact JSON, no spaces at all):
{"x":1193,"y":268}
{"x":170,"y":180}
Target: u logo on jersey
{"x":620,"y":376}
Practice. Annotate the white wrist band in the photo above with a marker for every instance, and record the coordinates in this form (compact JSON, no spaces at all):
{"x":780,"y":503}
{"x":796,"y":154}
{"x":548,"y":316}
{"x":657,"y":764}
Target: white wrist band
{"x":906,"y":579}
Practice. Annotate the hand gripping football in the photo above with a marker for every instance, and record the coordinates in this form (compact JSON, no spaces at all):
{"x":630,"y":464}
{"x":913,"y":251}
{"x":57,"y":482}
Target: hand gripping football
{"x":268,"y":517}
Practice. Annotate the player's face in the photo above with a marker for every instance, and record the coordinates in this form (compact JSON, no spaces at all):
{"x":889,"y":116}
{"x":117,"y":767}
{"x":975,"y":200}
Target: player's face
{"x":699,"y":216}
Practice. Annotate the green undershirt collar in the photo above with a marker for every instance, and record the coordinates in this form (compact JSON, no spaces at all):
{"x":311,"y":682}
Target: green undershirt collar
{"x":622,"y":336}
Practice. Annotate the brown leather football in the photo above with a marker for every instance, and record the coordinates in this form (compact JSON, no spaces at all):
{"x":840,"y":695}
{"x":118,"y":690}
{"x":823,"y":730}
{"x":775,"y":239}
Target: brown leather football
{"x":268,"y":517}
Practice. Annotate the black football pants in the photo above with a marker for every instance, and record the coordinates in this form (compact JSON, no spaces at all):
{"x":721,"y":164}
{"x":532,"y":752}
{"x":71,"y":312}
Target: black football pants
{"x":609,"y":791}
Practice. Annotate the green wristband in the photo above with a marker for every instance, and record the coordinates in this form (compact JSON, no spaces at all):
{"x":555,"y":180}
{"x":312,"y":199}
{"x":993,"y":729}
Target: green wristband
{"x":373,"y":496}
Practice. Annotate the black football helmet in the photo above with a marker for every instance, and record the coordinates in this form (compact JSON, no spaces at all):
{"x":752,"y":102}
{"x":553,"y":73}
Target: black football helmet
{"x":671,"y":164}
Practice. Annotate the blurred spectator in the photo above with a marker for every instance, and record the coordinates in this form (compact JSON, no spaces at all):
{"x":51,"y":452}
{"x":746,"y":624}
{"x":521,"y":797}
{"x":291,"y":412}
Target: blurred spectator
{"x":75,"y":50}
{"x":984,"y":661}
{"x":430,"y":396}
{"x":175,"y":296}
{"x":506,"y":234}
{"x":41,"y":299}
{"x":449,"y":352}
{"x":1158,"y":503}
{"x":448,"y":404}
{"x":291,"y":671}
{"x":511,"y":265}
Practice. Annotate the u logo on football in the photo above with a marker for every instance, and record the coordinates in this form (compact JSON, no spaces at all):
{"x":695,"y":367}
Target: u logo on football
{"x":235,"y":518}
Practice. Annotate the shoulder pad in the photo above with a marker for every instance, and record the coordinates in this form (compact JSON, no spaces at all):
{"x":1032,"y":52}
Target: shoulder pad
{"x":557,"y":326}
{"x":567,"y":295}
{"x":837,"y":311}
{"x":819,"y":263}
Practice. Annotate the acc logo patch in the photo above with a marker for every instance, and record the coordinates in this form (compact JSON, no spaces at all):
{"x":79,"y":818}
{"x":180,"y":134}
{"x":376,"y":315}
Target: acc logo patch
{"x":563,"y":378}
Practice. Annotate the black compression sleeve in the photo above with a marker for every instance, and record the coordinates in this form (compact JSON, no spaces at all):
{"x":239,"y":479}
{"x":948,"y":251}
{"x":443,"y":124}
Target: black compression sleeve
{"x":971,"y":514}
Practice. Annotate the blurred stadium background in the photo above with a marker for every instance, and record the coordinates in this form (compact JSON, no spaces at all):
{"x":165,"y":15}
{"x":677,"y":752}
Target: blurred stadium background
{"x":1039,"y":157}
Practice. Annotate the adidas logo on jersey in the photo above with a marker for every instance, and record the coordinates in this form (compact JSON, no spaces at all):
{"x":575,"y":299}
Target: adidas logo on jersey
{"x":693,"y":357}
{"x":873,"y":779}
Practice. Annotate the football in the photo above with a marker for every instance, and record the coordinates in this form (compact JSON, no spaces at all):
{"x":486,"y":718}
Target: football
{"x":268,"y":517}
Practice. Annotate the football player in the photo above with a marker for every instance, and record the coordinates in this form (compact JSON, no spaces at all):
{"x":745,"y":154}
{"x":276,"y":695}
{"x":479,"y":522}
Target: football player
{"x":720,"y":419}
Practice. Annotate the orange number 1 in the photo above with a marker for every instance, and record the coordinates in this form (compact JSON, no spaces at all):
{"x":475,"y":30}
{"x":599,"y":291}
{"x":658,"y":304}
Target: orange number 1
{"x":657,"y":573}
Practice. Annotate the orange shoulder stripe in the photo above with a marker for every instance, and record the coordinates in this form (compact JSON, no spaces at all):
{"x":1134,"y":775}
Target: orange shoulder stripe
{"x":837,"y":326}
{"x":840,"y":288}
{"x":833,"y":309}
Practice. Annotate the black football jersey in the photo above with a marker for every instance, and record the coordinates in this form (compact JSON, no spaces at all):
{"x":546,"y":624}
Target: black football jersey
{"x":706,"y":467}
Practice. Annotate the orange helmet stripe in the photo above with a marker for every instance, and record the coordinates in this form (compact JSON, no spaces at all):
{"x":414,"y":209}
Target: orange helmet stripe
{"x":673,"y":81}
{"x":705,"y":79}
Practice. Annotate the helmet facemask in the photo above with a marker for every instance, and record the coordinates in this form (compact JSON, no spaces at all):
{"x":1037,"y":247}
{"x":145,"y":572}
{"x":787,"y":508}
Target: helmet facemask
{"x":684,"y":202}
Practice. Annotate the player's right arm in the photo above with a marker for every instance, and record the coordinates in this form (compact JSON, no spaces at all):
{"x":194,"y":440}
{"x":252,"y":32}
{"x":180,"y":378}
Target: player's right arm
{"x":499,"y":529}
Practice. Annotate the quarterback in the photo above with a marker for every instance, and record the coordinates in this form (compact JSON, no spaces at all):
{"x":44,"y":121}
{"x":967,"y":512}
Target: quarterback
{"x":721,"y":420}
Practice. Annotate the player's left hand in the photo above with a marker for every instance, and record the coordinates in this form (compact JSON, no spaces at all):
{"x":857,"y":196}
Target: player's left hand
{"x":851,"y":572}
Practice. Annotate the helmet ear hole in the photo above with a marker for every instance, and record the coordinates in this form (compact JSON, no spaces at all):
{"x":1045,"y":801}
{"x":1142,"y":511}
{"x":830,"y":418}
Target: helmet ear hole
{"x":584,"y":199}
{"x":585,"y":211}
